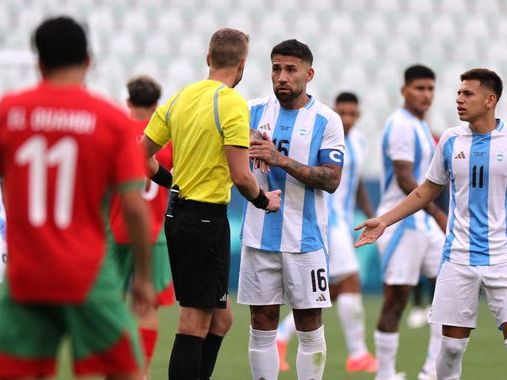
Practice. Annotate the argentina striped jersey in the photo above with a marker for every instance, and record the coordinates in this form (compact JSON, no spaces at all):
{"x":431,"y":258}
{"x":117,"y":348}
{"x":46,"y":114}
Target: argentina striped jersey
{"x":476,"y":167}
{"x":405,"y":138}
{"x":301,"y":223}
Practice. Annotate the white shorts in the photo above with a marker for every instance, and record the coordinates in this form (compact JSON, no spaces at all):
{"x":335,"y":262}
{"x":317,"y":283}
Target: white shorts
{"x":456,"y":298}
{"x":407,"y":252}
{"x":342,"y":255}
{"x":272,"y":278}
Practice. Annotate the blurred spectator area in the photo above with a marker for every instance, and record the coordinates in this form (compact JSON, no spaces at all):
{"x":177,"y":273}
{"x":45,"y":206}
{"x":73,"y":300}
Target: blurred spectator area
{"x":361,"y":45}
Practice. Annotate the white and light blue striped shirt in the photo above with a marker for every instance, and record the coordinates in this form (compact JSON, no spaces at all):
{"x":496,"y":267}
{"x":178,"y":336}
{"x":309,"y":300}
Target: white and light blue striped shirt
{"x":405,"y":138}
{"x":301,"y":223}
{"x":476,"y":166}
{"x":342,"y":203}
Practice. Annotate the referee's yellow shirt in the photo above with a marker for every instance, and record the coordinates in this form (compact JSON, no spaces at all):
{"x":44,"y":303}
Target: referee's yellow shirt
{"x":200,"y":120}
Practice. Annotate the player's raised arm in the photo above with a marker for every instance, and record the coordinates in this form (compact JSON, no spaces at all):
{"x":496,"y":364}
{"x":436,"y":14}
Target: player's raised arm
{"x":418,"y":199}
{"x":325,"y":176}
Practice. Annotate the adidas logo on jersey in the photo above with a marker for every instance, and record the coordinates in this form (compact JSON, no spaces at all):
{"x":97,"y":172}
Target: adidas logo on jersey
{"x":223,"y":298}
{"x":321,"y":298}
{"x":265,"y":127}
{"x":460,"y":156}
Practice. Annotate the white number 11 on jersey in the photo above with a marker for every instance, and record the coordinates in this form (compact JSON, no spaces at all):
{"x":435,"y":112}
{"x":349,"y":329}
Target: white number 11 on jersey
{"x":63,"y":154}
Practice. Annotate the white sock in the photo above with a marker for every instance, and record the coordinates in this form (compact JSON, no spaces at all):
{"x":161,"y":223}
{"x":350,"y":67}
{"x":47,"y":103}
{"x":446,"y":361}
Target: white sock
{"x":287,"y":328}
{"x":263,"y":355}
{"x":386,"y":346}
{"x":450,"y":357}
{"x":430,"y":364}
{"x":351,"y":313}
{"x":311,"y":357}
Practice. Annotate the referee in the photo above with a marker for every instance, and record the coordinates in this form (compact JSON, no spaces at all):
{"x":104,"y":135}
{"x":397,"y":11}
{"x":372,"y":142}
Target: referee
{"x":208,"y":124}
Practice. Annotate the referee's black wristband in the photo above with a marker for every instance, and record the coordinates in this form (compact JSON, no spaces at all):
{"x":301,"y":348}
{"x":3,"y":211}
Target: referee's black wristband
{"x":261,"y":201}
{"x":162,"y":177}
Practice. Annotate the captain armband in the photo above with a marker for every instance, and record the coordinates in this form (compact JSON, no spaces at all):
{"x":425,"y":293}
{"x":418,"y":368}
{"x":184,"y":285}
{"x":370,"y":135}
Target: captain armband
{"x":331,"y":156}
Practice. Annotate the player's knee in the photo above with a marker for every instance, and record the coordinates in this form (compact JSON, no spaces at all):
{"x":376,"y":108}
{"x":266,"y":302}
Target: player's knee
{"x":389,"y":319}
{"x":265,"y":318}
{"x":308,"y":319}
{"x":393,"y":309}
{"x":453,"y":347}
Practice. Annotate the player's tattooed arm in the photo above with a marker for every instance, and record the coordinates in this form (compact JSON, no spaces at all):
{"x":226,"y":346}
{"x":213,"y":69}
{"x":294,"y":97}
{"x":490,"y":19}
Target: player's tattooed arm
{"x":325,"y":177}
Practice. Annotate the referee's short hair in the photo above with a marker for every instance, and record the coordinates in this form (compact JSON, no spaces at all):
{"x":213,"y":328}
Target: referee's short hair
{"x":293,"y":48}
{"x":60,"y":42}
{"x":488,"y":79}
{"x":227,"y":48}
{"x":418,"y":72}
{"x":143,"y":91}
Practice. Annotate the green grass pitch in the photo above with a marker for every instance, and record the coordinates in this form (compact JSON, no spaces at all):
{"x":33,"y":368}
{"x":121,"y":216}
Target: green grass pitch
{"x":484,"y":358}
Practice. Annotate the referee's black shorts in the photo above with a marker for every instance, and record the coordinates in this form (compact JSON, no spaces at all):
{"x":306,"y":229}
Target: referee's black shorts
{"x":198,"y":240}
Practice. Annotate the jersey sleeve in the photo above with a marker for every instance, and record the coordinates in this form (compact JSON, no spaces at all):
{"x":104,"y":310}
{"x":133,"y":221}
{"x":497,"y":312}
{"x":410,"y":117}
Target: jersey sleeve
{"x":158,"y":128}
{"x":332,"y":147}
{"x":128,"y":164}
{"x":233,"y":118}
{"x":401,"y":142}
{"x":437,"y":171}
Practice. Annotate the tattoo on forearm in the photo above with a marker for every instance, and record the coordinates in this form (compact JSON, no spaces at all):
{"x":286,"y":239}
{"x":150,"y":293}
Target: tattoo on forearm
{"x":318,"y":177}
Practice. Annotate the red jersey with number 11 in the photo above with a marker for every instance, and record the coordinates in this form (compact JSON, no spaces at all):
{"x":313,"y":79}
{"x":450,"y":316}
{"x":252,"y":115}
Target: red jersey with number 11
{"x":61,"y":151}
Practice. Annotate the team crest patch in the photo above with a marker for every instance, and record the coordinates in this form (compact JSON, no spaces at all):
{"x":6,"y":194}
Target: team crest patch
{"x":500,"y":156}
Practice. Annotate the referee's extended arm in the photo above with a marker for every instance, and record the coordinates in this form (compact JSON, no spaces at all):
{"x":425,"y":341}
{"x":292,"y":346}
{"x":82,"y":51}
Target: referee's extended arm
{"x":150,"y":149}
{"x":244,"y":180}
{"x":156,"y":172}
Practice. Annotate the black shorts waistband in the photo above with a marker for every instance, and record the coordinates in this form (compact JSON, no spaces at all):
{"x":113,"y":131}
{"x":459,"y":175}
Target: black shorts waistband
{"x":202,"y":208}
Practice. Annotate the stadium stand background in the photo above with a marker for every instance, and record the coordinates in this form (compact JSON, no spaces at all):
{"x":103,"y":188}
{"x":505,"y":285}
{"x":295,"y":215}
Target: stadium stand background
{"x":359,"y":45}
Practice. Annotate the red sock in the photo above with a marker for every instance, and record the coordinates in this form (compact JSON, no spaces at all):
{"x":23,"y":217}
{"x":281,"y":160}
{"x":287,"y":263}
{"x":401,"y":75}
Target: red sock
{"x":149,"y":340}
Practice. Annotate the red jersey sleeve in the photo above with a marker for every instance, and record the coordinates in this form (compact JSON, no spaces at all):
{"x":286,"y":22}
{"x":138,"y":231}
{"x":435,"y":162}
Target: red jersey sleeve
{"x":128,"y":162}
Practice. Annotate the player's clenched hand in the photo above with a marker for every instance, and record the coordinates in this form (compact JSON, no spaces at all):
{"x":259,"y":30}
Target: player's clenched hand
{"x":259,"y":164}
{"x":372,"y":229}
{"x":143,"y":296}
{"x":264,"y":150}
{"x":274,"y":200}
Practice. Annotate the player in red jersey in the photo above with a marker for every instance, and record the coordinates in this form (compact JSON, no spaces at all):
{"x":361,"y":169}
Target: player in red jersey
{"x":144,"y":94}
{"x":61,"y":150}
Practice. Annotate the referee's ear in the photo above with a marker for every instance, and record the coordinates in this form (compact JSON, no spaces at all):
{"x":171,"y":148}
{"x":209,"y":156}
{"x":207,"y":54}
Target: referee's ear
{"x":208,"y":59}
{"x":242,"y":64}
